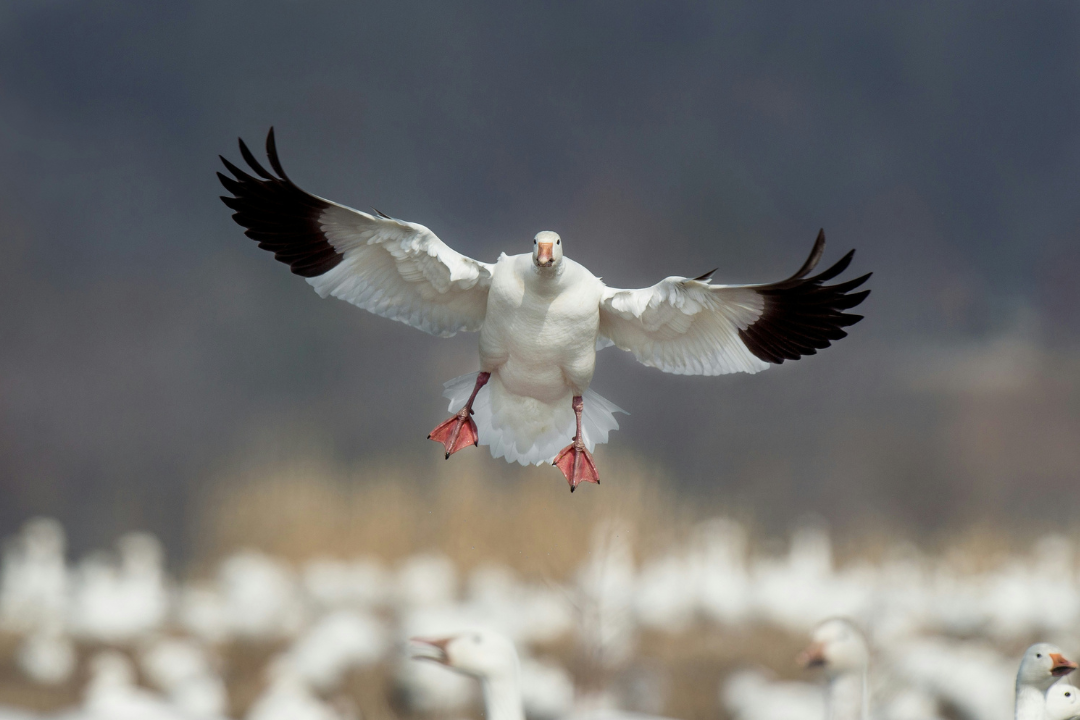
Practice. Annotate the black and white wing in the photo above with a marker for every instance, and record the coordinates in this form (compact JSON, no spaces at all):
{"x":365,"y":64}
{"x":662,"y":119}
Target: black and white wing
{"x":393,"y":268}
{"x":691,"y":327}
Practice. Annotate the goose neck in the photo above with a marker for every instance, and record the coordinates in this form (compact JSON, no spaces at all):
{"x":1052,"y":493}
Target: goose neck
{"x":502,"y":698}
{"x":1030,"y":703}
{"x":848,"y":697}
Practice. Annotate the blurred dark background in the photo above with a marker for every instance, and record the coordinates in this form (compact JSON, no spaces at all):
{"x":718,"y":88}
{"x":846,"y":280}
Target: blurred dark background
{"x":147,"y":346}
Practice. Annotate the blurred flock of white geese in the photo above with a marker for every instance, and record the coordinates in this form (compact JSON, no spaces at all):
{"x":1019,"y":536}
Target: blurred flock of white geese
{"x":943,"y":640}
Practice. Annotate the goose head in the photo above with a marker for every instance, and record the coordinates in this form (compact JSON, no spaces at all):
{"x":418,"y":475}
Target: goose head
{"x":547,"y":249}
{"x":838,"y":647}
{"x":1042,"y":665}
{"x":481,"y":654}
{"x":1062,"y":702}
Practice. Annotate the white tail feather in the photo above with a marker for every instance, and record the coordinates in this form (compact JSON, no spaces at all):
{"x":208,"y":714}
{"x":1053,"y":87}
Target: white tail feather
{"x":525,"y":430}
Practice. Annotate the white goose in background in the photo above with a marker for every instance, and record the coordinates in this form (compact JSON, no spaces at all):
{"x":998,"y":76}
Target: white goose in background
{"x":35,"y":582}
{"x":112,"y":693}
{"x":185,"y":672}
{"x":840,"y":649}
{"x":753,"y":695}
{"x":971,"y":677}
{"x":488,"y":657}
{"x":117,"y":599}
{"x":1063,"y":702}
{"x":47,"y":656}
{"x":1040,"y":667}
{"x":492,"y":659}
{"x":288,"y":696}
{"x":541,"y":316}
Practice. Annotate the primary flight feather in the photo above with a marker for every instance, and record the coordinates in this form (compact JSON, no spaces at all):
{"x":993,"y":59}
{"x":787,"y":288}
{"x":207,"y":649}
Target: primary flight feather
{"x":541,"y":316}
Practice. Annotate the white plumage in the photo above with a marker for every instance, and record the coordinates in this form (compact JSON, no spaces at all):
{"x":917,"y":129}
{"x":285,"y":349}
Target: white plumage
{"x":525,"y":437}
{"x":541,"y":316}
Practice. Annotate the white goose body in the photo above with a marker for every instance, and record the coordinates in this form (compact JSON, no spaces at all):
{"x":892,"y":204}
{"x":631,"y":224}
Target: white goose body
{"x":541,"y":317}
{"x":540,"y":329}
{"x":538,"y":341}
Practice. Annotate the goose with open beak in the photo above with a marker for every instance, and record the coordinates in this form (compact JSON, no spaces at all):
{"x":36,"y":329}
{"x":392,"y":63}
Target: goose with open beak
{"x":433,"y":649}
{"x":1040,"y":667}
{"x":541,"y":316}
{"x":487,"y":656}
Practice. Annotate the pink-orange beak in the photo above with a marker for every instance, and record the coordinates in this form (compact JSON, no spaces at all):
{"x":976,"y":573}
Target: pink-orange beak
{"x":1062,"y":666}
{"x":813,"y":656}
{"x":439,"y":644}
{"x":543,"y":254}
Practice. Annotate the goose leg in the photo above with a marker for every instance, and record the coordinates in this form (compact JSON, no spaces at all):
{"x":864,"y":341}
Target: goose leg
{"x":460,"y":431}
{"x":574,"y":460}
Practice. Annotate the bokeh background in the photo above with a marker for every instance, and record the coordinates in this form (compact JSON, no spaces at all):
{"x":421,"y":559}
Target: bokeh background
{"x":160,"y":373}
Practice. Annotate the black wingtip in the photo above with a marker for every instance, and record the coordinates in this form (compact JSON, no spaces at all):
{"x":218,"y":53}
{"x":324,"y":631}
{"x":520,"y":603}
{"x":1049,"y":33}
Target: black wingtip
{"x":281,"y":217}
{"x":815,"y":256}
{"x":249,"y":158}
{"x":802,"y":314}
{"x":706,"y":276}
{"x":237,"y":172}
{"x":271,"y":153}
{"x":838,"y":267}
{"x":381,"y":214}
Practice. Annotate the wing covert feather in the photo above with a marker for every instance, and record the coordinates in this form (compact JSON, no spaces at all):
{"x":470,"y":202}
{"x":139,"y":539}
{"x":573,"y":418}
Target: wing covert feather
{"x":692,"y":327}
{"x":393,"y":268}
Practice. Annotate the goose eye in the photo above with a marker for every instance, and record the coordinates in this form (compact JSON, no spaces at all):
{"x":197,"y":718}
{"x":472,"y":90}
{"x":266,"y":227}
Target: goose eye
{"x":1068,"y":694}
{"x":558,"y":242}
{"x":1038,"y":655}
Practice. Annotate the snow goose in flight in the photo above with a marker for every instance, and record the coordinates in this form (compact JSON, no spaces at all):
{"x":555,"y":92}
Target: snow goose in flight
{"x":1042,"y":665}
{"x":541,"y":316}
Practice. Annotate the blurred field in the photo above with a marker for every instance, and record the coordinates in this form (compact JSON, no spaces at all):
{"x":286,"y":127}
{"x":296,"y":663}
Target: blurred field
{"x":635,"y":599}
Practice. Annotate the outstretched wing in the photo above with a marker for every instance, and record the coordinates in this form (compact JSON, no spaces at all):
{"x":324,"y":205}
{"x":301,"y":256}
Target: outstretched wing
{"x":393,"y":268}
{"x":691,"y":327}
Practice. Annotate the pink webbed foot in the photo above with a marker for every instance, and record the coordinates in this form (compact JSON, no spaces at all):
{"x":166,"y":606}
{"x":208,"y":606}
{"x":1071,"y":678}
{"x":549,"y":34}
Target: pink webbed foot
{"x":460,"y":431}
{"x":457,"y":433}
{"x":577,"y":464}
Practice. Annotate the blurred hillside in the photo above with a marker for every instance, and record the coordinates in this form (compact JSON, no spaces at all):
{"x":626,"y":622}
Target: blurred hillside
{"x":150,"y":354}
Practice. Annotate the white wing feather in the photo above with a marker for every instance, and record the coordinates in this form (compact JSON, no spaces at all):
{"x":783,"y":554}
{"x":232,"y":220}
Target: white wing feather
{"x":396,"y":269}
{"x":684,"y":326}
{"x":403,"y":271}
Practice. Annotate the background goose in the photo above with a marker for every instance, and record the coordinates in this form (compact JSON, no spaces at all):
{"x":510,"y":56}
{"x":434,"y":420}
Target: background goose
{"x":492,"y":658}
{"x":541,"y":316}
{"x":1062,"y":702}
{"x":1040,"y":667}
{"x":840,"y":649}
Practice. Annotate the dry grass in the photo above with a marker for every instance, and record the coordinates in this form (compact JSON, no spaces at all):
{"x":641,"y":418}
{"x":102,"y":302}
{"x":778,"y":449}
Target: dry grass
{"x":472,"y":509}
{"x":17,"y":691}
